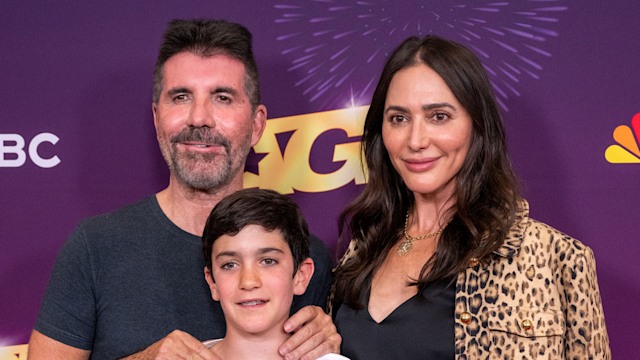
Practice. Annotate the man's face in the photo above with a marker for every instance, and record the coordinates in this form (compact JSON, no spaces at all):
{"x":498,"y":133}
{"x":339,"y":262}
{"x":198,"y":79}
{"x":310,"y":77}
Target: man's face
{"x":204,"y":121}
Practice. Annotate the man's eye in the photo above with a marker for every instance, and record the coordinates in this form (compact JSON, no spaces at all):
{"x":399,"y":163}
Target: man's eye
{"x":180,"y":98}
{"x":224,"y":98}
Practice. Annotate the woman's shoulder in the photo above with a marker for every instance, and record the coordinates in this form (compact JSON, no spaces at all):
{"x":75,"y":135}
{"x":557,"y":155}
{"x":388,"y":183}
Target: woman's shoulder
{"x":547,"y":238}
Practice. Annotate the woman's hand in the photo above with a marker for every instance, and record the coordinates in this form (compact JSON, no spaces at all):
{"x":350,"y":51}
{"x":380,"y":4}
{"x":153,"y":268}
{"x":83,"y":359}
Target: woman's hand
{"x":314,"y":335}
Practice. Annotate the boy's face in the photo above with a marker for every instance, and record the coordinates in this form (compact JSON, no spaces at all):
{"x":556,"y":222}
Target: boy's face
{"x":254,"y":280}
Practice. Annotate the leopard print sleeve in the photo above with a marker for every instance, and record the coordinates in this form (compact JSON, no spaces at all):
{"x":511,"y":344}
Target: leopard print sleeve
{"x":586,"y":334}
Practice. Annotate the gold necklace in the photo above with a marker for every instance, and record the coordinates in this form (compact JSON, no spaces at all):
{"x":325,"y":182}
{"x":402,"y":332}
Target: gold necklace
{"x":406,"y":244}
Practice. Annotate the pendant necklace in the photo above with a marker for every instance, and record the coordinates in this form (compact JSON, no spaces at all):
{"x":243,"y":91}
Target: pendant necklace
{"x":407,"y":243}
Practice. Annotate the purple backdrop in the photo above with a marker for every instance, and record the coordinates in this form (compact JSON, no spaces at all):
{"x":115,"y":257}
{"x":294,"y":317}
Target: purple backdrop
{"x":566,"y":74}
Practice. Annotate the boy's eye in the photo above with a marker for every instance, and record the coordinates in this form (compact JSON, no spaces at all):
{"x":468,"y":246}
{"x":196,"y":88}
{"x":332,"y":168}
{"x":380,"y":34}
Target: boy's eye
{"x":269,"y":261}
{"x":228,"y":265}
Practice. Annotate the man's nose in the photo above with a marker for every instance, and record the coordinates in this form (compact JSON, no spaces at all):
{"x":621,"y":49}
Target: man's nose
{"x":202,"y":114}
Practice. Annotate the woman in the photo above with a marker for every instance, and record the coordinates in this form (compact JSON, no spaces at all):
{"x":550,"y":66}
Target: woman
{"x":444,"y":260}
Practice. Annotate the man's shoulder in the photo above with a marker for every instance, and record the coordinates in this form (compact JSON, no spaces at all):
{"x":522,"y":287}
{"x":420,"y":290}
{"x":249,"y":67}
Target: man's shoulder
{"x":139,"y":217}
{"x":319,"y":252}
{"x":130,"y":213}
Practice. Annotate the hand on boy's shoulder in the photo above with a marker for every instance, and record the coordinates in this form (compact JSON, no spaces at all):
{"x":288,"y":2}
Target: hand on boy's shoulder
{"x":314,"y":334}
{"x":210,"y":344}
{"x":178,"y":344}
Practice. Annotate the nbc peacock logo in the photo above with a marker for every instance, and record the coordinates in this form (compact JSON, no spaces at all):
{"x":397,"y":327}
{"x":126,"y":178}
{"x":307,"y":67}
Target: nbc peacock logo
{"x":626,"y":150}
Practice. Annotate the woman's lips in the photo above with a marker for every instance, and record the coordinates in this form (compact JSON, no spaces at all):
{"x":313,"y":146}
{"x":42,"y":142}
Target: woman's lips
{"x":420,"y":165}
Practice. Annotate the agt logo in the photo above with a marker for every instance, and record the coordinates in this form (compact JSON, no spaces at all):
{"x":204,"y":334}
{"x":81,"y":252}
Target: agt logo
{"x":626,"y":150}
{"x":13,"y":152}
{"x":290,"y":169}
{"x":13,"y":352}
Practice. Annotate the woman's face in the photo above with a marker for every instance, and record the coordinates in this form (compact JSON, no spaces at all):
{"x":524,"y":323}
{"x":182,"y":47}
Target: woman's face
{"x":425,"y":130}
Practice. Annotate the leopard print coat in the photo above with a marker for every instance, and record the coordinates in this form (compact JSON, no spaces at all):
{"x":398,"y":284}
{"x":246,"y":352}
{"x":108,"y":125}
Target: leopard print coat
{"x":536,"y":298}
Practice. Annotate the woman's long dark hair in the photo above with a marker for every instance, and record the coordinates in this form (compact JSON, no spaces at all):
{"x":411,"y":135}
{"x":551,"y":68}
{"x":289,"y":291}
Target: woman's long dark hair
{"x":486,"y":195}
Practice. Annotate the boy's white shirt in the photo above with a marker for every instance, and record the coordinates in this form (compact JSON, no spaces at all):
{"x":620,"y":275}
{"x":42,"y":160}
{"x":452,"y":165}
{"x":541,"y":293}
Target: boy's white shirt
{"x":210,"y":343}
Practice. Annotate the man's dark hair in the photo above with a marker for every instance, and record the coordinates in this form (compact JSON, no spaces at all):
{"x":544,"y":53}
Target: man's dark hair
{"x":208,"y":38}
{"x":262,"y":207}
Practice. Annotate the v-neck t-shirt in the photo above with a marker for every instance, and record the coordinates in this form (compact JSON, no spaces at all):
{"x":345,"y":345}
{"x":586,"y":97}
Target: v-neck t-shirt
{"x":420,"y":328}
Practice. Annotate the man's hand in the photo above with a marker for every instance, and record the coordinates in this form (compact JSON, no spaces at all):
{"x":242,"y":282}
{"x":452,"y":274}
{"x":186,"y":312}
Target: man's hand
{"x":177,"y":345}
{"x":314,"y":335}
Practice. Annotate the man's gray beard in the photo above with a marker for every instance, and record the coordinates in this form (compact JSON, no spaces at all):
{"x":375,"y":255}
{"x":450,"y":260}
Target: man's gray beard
{"x":219,"y":172}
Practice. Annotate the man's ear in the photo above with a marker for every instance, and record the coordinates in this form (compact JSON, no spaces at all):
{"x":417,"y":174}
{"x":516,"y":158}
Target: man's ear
{"x":259,"y":123}
{"x":154,"y":110}
{"x":212,"y":284}
{"x":303,"y":276}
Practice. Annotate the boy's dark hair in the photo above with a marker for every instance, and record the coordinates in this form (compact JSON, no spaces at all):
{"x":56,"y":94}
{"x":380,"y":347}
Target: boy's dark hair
{"x":266,"y":208}
{"x":207,"y":38}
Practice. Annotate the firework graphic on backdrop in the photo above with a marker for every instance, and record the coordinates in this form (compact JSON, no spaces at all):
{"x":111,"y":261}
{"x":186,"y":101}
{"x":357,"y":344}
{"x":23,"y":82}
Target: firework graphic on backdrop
{"x":336,"y":48}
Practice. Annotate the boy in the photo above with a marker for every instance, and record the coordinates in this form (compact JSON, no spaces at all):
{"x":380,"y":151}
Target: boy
{"x":256,"y":248}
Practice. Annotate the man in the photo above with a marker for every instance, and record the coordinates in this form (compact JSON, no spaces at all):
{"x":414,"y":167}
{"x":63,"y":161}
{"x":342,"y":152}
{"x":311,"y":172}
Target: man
{"x":130,"y":282}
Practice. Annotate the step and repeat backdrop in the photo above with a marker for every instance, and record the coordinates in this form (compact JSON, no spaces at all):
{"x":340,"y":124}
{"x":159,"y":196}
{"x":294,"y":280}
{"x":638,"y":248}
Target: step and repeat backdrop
{"x":77,"y":136}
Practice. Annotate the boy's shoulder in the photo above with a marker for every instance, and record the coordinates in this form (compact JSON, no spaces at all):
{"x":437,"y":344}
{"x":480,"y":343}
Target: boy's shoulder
{"x":333,"y":357}
{"x":209,"y":343}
